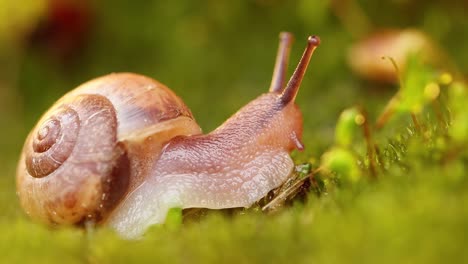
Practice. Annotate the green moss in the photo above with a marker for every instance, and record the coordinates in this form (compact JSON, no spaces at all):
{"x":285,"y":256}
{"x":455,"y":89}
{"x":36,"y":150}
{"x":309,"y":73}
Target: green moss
{"x":404,"y":218}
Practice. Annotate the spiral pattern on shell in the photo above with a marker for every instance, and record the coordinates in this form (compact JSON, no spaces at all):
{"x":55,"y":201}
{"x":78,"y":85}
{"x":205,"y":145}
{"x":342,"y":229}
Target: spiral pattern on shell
{"x":95,"y":145}
{"x":74,"y":168}
{"x":53,"y":142}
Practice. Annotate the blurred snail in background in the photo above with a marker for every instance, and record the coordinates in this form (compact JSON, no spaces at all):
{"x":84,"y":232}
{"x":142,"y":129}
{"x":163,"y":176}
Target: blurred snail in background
{"x":365,"y":57}
{"x":123,"y":149}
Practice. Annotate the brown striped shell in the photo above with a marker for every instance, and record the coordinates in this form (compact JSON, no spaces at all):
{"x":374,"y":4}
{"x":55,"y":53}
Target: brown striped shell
{"x":95,"y":145}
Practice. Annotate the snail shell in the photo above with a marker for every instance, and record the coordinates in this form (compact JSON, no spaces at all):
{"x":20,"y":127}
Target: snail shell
{"x":95,"y":145}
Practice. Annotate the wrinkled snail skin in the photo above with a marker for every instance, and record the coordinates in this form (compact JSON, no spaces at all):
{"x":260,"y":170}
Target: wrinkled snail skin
{"x":226,"y":168}
{"x":123,"y":149}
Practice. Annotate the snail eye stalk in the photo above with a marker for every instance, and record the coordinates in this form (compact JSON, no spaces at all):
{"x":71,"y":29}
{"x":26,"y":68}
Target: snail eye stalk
{"x":281,"y":65}
{"x":290,"y":92}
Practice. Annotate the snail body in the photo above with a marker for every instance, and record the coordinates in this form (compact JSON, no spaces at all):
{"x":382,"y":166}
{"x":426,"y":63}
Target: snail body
{"x":123,"y":149}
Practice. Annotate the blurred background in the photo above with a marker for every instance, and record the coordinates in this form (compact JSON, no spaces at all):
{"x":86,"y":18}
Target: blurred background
{"x":217,"y":56}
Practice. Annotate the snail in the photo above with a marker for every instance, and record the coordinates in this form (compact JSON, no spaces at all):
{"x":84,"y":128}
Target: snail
{"x":365,"y":56}
{"x":123,"y":149}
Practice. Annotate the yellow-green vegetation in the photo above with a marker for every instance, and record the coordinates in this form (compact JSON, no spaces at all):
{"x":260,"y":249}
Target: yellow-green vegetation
{"x":384,"y":174}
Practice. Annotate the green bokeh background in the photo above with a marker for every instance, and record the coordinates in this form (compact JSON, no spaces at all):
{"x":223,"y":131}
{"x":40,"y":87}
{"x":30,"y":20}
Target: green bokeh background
{"x":217,"y":56}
